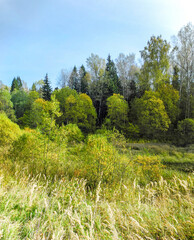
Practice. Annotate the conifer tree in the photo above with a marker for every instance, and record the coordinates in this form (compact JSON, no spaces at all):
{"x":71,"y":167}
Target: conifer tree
{"x":83,"y":79}
{"x":113,"y":82}
{"x":175,"y":79}
{"x":16,"y":84}
{"x":74,"y":80}
{"x":46,"y":89}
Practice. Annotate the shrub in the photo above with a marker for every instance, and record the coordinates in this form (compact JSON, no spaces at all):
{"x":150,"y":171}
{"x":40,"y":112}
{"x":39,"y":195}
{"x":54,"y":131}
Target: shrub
{"x":99,"y":160}
{"x":33,"y":153}
{"x":147,"y":168}
{"x":72,"y":132}
{"x":9,"y":131}
{"x":113,"y":136}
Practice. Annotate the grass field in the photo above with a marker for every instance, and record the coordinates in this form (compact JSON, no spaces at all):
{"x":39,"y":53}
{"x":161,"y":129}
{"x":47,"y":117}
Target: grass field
{"x":152,"y":200}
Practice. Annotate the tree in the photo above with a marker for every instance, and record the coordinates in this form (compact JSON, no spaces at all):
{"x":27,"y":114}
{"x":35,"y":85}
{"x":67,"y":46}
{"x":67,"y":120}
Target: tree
{"x":155,"y":69}
{"x":43,"y":114}
{"x":151,"y":115}
{"x":127,"y":73}
{"x":85,"y":80}
{"x":74,"y":82}
{"x":175,"y":79}
{"x":117,"y":114}
{"x":64,"y":78}
{"x":183,"y":57}
{"x":61,"y":96}
{"x":111,"y":77}
{"x":46,"y":89}
{"x":80,"y":110}
{"x":6,"y":104}
{"x":16,"y":84}
{"x":20,"y":101}
{"x":96,"y":66}
{"x":170,"y":98}
{"x":185,"y":131}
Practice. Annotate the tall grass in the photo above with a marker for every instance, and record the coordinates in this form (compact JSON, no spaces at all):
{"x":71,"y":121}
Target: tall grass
{"x":34,"y":209}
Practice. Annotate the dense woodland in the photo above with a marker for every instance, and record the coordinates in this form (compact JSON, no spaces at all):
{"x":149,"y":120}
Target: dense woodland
{"x":108,"y":155}
{"x":154,"y":101}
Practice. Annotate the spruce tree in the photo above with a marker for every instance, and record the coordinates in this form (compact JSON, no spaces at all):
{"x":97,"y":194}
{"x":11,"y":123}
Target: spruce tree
{"x":16,"y":84}
{"x":83,"y":79}
{"x":114,"y":84}
{"x":46,"y":89}
{"x":74,"y":80}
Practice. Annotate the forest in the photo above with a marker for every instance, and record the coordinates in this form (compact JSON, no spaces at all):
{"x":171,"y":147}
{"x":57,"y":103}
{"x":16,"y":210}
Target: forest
{"x":107,"y":155}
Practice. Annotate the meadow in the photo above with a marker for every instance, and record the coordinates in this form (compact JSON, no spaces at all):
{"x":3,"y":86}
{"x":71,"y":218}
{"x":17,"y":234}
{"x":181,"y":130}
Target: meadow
{"x":68,"y":186}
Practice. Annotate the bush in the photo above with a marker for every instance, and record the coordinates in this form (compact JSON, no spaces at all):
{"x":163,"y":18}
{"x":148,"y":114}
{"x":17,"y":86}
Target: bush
{"x":113,"y":136}
{"x":147,"y":168}
{"x":72,"y":132}
{"x":34,"y":153}
{"x":9,"y":131}
{"x":99,"y":161}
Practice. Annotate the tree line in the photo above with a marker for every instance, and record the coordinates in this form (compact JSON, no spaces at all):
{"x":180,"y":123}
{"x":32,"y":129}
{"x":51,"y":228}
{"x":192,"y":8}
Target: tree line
{"x":153,"y":100}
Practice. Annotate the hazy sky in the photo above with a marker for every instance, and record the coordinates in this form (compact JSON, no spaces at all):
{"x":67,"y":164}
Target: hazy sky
{"x":45,"y":36}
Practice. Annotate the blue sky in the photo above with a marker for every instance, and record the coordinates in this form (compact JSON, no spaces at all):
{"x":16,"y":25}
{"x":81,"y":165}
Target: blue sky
{"x":45,"y":36}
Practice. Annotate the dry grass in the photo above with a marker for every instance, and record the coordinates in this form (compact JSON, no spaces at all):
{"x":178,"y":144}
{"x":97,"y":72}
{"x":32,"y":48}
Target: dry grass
{"x":34,"y":209}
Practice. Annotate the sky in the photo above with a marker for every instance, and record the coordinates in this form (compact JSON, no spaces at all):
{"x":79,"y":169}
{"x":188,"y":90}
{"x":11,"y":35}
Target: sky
{"x":46,"y":36}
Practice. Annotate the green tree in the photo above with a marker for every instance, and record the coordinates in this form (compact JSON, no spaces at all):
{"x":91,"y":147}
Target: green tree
{"x":185,"y":131}
{"x":85,"y":80}
{"x":16,"y":84}
{"x":155,"y":69}
{"x":175,"y":79}
{"x":151,"y":115}
{"x":20,"y":101}
{"x":111,"y":77}
{"x":61,"y":96}
{"x":46,"y":89}
{"x":74,"y":82}
{"x":6,"y":104}
{"x":44,"y":113}
{"x":80,"y":110}
{"x":170,"y":98}
{"x":117,"y":114}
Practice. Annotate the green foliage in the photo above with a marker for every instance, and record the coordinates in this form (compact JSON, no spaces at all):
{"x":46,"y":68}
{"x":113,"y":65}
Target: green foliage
{"x":74,"y":82}
{"x":170,"y":98}
{"x":151,"y":115}
{"x":185,"y":130}
{"x":16,"y":84}
{"x":6,"y":104}
{"x":61,"y":96}
{"x":79,"y":110}
{"x":20,"y":101}
{"x":156,"y":64}
{"x":46,"y":89}
{"x":113,"y":136}
{"x":147,"y":168}
{"x":175,"y":79}
{"x":88,"y":108}
{"x":33,"y":153}
{"x":9,"y":131}
{"x":117,"y":112}
{"x":132,"y":131}
{"x":113,"y":82}
{"x":85,"y":80}
{"x":99,"y":161}
{"x":72,"y":133}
